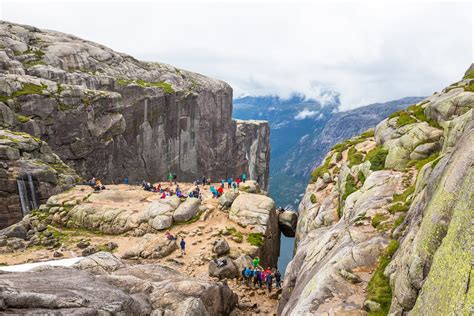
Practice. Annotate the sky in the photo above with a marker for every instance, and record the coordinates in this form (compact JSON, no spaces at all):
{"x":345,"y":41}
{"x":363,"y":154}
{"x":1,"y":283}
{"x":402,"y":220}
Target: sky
{"x":365,"y":53}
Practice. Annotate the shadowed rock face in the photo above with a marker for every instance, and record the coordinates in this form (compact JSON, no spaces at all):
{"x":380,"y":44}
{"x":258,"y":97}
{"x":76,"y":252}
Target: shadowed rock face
{"x":110,"y":115}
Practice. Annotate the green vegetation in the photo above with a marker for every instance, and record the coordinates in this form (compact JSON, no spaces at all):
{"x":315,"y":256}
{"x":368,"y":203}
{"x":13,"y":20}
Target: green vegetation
{"x":339,"y":210}
{"x":419,"y":112}
{"x":379,"y":289}
{"x":398,"y":207}
{"x":313,"y":199}
{"x":469,"y":75}
{"x":321,"y":170}
{"x":367,"y":134}
{"x":469,"y":87}
{"x":255,"y":239}
{"x":398,"y":221}
{"x":235,"y":233}
{"x":404,"y":119}
{"x":354,"y":157}
{"x":194,"y":219}
{"x":403,"y":197}
{"x":165,"y":86}
{"x":377,"y":219}
{"x":29,"y":64}
{"x":22,"y":119}
{"x":27,"y":88}
{"x":338,"y":156}
{"x":350,"y":187}
{"x":348,"y":143}
{"x":361,"y":178}
{"x":377,"y":157}
{"x":420,"y":163}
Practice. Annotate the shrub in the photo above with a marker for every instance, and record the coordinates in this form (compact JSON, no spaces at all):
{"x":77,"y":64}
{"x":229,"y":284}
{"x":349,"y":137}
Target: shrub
{"x":354,"y":157}
{"x":419,"y":112}
{"x":367,"y":134}
{"x":402,"y":197}
{"x":321,"y":170}
{"x":338,"y":156}
{"x":469,"y":75}
{"x":420,"y":163}
{"x":398,"y":207}
{"x":235,"y":233}
{"x":378,"y":289}
{"x":22,"y":119}
{"x":255,"y":239}
{"x":377,"y":219}
{"x":377,"y":157}
{"x":398,"y":221}
{"x":350,"y":187}
{"x":313,"y":198}
{"x":361,"y":178}
{"x":405,"y":119}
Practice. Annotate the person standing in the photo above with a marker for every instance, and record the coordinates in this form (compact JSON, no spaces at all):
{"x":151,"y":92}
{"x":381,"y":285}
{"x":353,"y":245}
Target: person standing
{"x":182,"y":244}
{"x":269,"y":280}
{"x":256,"y":262}
{"x":170,"y":178}
{"x":244,"y":177}
{"x":277,"y":279}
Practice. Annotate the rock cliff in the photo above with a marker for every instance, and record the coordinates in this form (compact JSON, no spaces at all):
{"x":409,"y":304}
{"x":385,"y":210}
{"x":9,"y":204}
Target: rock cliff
{"x":385,"y":224}
{"x":109,"y":115}
{"x":29,"y":174}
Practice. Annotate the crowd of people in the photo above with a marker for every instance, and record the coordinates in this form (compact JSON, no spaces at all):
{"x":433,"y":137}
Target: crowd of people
{"x":96,"y":184}
{"x":255,"y":276}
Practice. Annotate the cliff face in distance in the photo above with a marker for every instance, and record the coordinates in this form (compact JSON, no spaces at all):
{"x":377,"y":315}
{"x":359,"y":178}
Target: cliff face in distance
{"x":109,"y":115}
{"x":385,"y":225}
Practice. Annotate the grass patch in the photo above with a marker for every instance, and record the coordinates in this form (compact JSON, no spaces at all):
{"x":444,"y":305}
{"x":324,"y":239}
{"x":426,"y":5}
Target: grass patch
{"x":32,"y":63}
{"x":255,"y":239}
{"x":361,"y":178}
{"x":351,"y":187}
{"x":379,"y":289}
{"x":398,"y":221}
{"x":367,"y":134}
{"x":194,"y":219}
{"x":469,"y":87}
{"x":321,"y":170}
{"x":377,"y":157}
{"x":235,"y":233}
{"x":403,"y":197}
{"x":377,"y":219}
{"x":348,"y":143}
{"x":338,"y":156}
{"x":22,"y":119}
{"x":313,"y":199}
{"x":339,"y":210}
{"x":469,"y":75}
{"x":29,"y":88}
{"x":420,"y":163}
{"x":419,"y":112}
{"x":165,"y":86}
{"x":398,"y":208}
{"x":354,"y":157}
{"x":405,"y":119}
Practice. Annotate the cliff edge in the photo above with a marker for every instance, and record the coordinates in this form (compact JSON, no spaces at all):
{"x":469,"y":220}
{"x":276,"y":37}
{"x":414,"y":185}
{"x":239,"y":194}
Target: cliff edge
{"x":385,"y":224}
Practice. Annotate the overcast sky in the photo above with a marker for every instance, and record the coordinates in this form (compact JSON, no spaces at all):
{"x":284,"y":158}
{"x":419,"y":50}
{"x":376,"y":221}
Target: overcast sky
{"x":366,"y":53}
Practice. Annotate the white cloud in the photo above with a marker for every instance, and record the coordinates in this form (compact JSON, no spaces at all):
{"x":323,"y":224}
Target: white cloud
{"x":365,"y":52}
{"x":305,"y":114}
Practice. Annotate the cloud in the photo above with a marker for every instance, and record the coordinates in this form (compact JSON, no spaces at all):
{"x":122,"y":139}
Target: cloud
{"x":305,"y":114}
{"x":364,"y":52}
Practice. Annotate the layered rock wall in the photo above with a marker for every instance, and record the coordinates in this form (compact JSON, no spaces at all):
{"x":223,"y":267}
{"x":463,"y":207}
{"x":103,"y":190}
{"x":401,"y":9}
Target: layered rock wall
{"x":111,"y":116}
{"x":385,"y":224}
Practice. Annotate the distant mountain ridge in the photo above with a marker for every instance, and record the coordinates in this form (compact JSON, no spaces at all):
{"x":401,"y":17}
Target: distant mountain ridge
{"x":302,"y":131}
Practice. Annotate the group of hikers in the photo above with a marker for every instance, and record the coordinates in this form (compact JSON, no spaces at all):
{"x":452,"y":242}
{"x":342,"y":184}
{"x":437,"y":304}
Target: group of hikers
{"x":231,"y":184}
{"x":194,"y":193}
{"x":255,"y":275}
{"x":96,"y":184}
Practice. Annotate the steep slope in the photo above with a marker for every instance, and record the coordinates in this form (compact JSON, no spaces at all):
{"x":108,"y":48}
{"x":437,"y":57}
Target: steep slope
{"x":385,"y":224}
{"x":109,"y":115}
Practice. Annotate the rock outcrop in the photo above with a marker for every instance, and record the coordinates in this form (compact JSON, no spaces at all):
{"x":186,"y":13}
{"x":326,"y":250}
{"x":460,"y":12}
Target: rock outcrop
{"x":385,"y":224}
{"x":111,"y":287}
{"x":111,"y":116}
{"x":29,"y":165}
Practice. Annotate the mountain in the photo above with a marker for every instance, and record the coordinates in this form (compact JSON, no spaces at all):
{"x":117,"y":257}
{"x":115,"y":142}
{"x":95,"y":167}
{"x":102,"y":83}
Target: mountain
{"x":385,"y":224}
{"x":302,"y":131}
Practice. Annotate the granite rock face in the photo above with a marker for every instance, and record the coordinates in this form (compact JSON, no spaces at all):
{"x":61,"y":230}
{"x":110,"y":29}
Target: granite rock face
{"x":112,"y":288}
{"x":109,"y":115}
{"x":390,"y":229}
{"x":24,"y":157}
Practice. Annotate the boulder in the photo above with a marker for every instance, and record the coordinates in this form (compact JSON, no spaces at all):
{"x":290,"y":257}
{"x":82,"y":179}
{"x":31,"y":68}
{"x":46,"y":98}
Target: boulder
{"x":226,"y":200}
{"x":99,"y":263}
{"x":161,"y":222}
{"x":252,"y":209}
{"x":152,"y":247}
{"x":242,"y":262}
{"x":15,"y":230}
{"x":187,"y":210}
{"x":228,"y":271}
{"x":250,"y":186}
{"x":221,"y":247}
{"x":287,"y":221}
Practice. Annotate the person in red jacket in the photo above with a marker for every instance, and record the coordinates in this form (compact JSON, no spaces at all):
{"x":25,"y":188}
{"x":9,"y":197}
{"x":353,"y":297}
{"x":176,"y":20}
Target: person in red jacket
{"x":238,"y":182}
{"x":220,"y":191}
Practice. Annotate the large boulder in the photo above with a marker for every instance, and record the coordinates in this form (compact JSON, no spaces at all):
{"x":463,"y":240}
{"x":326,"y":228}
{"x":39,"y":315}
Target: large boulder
{"x":99,"y":263}
{"x":226,"y":200}
{"x":152,"y":247}
{"x":221,"y":247}
{"x":287,"y":221}
{"x":250,"y":186}
{"x":252,"y":209}
{"x":227,"y":271}
{"x":16,"y":230}
{"x":187,"y":210}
